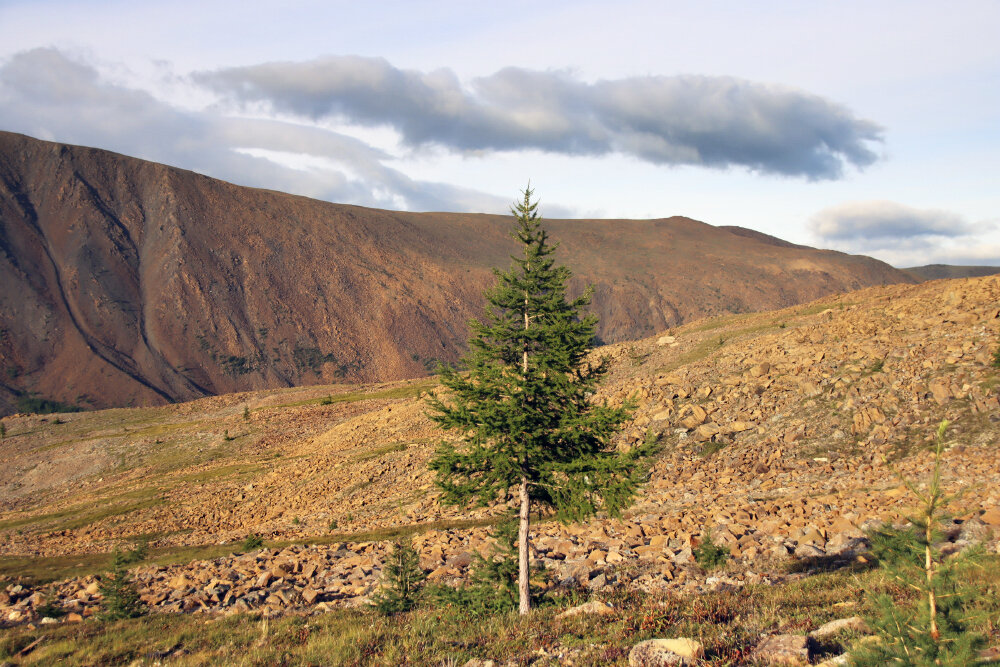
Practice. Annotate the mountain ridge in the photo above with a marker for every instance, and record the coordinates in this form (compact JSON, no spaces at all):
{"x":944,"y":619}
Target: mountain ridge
{"x":129,"y":282}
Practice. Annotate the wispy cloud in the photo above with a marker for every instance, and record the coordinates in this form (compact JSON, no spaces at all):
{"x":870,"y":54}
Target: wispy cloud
{"x":716,"y":122}
{"x":903,"y":235}
{"x":50,"y":95}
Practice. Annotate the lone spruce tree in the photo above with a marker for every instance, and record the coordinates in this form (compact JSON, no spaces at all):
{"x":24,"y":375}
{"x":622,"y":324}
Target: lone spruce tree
{"x":525,"y":411}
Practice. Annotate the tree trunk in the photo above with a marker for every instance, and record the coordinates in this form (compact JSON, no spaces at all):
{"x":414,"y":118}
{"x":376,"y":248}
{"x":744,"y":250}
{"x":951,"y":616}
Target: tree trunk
{"x":523,"y":589}
{"x":929,"y":566}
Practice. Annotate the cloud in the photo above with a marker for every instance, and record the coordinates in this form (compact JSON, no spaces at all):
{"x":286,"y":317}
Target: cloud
{"x":875,"y":221}
{"x":905,"y":236}
{"x":47,"y":94}
{"x":716,"y":122}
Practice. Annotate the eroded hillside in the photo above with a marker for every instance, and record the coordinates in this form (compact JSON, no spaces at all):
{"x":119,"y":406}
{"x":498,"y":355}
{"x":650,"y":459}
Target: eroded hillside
{"x":130,"y":283}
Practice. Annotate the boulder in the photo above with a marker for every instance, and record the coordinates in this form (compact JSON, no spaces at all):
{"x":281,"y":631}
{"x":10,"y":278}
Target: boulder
{"x":852,"y":624}
{"x":783,"y":650}
{"x":593,"y":607}
{"x":661,"y":652}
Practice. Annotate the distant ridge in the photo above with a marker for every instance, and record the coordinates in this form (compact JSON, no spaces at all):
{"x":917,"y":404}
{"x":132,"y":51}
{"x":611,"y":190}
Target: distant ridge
{"x":126,"y":282}
{"x":760,"y":236}
{"x":940,"y":271}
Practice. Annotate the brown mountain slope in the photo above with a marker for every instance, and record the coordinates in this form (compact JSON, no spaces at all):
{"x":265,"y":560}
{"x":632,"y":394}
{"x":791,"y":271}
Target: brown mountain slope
{"x":945,"y":271}
{"x":127,"y":282}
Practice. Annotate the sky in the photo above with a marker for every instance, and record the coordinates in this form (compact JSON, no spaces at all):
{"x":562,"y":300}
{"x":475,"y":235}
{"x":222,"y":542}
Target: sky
{"x":867,"y":127}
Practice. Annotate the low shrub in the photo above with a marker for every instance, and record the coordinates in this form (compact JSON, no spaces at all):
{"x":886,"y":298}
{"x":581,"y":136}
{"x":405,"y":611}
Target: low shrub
{"x":710,"y":555}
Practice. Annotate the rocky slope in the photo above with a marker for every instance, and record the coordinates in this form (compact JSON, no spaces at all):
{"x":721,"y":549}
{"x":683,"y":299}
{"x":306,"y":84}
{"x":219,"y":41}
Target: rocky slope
{"x":129,"y":283}
{"x":777,"y":429}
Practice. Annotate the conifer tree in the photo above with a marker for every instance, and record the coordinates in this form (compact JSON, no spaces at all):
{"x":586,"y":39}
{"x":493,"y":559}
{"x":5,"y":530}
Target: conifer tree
{"x":935,"y":631}
{"x":121,"y":600}
{"x":528,"y":424}
{"x":401,"y":579}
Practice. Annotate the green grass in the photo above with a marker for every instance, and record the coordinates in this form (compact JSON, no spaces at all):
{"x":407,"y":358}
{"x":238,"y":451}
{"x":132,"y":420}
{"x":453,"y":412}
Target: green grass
{"x":728,"y":624}
{"x":43,"y":569}
{"x":110,"y":510}
{"x":379,"y":452}
{"x":707,"y":347}
{"x":820,"y":307}
{"x":84,"y":514}
{"x":711,"y":325}
{"x":212,"y":474}
{"x":408,"y":391}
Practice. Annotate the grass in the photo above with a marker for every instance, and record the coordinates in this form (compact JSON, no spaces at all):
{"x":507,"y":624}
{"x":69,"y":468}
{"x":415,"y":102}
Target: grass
{"x":705,"y":348}
{"x":44,"y":569}
{"x":84,"y":514}
{"x":217,"y":473}
{"x":379,"y":452}
{"x":820,"y":307}
{"x":729,"y":625}
{"x":409,"y":391}
{"x":712,"y":324}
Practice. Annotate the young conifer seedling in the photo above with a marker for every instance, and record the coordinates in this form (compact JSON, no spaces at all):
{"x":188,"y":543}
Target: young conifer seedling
{"x":934,"y":632}
{"x":402,"y":579}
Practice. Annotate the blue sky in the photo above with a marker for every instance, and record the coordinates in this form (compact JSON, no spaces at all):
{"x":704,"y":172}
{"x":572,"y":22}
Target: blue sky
{"x":860,"y":126}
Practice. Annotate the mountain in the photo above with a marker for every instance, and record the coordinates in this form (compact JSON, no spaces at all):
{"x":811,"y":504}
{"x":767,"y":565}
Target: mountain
{"x":942,"y":271}
{"x":127,"y":282}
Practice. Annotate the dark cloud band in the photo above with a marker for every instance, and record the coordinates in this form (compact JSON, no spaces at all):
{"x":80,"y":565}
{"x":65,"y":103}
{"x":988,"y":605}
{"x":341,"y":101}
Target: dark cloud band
{"x":875,"y":221}
{"x":681,"y":120}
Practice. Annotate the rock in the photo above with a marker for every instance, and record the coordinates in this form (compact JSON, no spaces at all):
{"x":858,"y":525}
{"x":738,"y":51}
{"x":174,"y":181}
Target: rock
{"x":593,"y":607}
{"x":783,"y":650}
{"x":991,"y":517}
{"x":476,"y":662}
{"x":659,"y":652}
{"x":665,"y":340}
{"x":940,"y":391}
{"x":836,"y":661}
{"x":809,"y":551}
{"x":852,"y":624}
{"x":973,"y":530}
{"x":705,"y":432}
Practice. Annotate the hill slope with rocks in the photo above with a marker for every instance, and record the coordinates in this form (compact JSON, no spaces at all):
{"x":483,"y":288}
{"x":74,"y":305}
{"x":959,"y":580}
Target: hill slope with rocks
{"x":130,"y":283}
{"x":780,"y":434}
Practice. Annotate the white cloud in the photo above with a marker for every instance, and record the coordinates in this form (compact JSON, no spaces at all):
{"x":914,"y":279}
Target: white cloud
{"x":903,"y":235}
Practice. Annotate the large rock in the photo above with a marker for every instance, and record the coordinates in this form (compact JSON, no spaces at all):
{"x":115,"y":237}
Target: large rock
{"x":660,"y":652}
{"x":783,"y":650}
{"x":593,"y":607}
{"x":852,"y":624}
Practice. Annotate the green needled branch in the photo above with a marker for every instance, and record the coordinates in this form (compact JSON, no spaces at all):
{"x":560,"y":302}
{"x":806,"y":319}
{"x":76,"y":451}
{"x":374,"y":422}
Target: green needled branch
{"x":529,"y":428}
